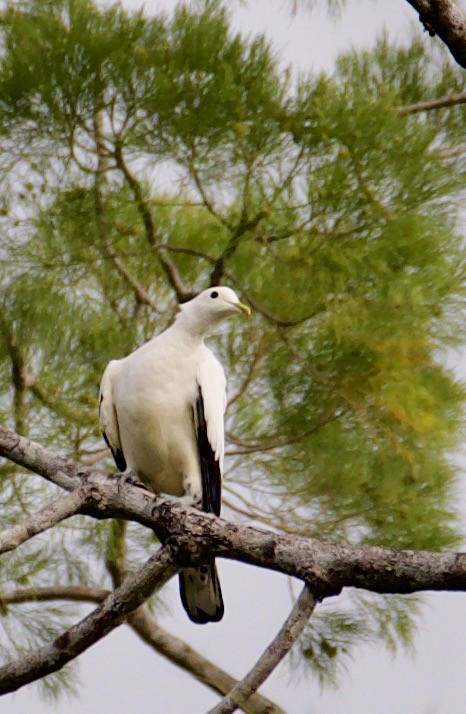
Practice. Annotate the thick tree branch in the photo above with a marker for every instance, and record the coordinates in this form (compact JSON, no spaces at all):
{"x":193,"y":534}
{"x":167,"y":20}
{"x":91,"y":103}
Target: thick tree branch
{"x":192,"y":537}
{"x":48,"y":517}
{"x":325,"y":567}
{"x":443,"y":18}
{"x":172,"y":648}
{"x":111,"y":613}
{"x":272,"y":656}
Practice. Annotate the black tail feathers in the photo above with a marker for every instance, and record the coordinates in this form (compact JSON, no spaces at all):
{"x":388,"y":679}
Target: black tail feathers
{"x":201,"y":594}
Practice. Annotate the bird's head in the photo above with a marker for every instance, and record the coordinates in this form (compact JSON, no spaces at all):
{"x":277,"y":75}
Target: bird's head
{"x":211,"y":307}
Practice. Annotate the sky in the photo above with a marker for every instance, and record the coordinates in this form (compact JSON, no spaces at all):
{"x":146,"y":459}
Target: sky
{"x":121,"y":674}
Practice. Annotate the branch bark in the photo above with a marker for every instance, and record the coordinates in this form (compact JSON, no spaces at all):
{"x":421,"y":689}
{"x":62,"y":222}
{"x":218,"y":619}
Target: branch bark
{"x":450,"y":100}
{"x":175,"y":650}
{"x":192,"y":538}
{"x":193,"y":662}
{"x":325,"y":567}
{"x":59,"y":510}
{"x":167,"y":264}
{"x":443,"y":18}
{"x":151,"y":633}
{"x":111,"y":613}
{"x":272,"y":656}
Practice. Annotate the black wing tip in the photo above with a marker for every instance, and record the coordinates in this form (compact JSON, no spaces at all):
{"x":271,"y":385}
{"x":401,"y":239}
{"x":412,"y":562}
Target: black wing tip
{"x":119,"y":459}
{"x":210,"y":466}
{"x":117,"y":454}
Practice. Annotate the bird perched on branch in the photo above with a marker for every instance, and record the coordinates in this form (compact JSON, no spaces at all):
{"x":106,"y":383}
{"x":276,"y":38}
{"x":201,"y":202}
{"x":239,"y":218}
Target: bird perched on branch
{"x":161,"y":414}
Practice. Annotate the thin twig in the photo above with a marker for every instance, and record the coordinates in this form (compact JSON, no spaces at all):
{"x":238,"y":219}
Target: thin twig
{"x":205,"y":200}
{"x":191,"y":661}
{"x":171,"y":271}
{"x":243,"y":227}
{"x":139,"y":290}
{"x":17,"y":377}
{"x":272,"y":656}
{"x":73,"y":593}
{"x":440,"y":103}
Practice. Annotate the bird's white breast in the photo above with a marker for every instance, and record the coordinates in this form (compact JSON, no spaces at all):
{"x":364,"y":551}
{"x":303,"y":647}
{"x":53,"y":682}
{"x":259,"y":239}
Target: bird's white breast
{"x":154,"y":395}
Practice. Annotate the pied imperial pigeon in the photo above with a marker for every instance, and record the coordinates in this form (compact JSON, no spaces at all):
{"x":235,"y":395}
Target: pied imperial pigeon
{"x":161,"y":413}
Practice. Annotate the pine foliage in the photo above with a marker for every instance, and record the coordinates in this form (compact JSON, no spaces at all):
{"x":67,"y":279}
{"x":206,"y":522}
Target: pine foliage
{"x":126,"y":140}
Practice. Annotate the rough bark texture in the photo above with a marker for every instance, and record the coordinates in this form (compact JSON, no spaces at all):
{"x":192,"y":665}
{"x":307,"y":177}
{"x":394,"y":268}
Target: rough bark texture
{"x":443,"y":18}
{"x":326,"y":568}
{"x":192,"y":537}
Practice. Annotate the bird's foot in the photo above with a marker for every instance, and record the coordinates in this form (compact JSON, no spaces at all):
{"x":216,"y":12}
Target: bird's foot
{"x":129,"y":477}
{"x":166,"y":498}
{"x":186,"y":500}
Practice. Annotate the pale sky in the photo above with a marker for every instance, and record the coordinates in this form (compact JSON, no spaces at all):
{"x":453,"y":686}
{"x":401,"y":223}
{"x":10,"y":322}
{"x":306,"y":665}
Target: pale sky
{"x":121,"y":674}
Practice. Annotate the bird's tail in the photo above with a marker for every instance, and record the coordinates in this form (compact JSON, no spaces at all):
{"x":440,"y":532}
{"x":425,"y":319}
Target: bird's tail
{"x":201,"y":594}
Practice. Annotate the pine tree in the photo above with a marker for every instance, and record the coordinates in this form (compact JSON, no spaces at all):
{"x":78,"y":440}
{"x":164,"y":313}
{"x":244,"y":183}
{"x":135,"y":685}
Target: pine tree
{"x":144,"y":159}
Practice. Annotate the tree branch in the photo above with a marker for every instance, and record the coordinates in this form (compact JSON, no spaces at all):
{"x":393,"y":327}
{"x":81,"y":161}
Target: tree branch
{"x":111,"y":613}
{"x":278,"y":321}
{"x":450,"y":100}
{"x":243,"y":227}
{"x":443,"y":18}
{"x":139,"y":290}
{"x":325,"y":567}
{"x":175,"y":650}
{"x":17,"y":377}
{"x":149,"y":631}
{"x":59,"y":510}
{"x":272,"y":656}
{"x":57,"y":405}
{"x":73,"y":593}
{"x":168,"y":266}
{"x":184,"y":656}
{"x":205,"y":200}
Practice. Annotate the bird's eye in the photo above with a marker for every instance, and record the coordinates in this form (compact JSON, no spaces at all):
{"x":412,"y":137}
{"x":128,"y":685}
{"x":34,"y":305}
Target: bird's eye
{"x":214,"y":294}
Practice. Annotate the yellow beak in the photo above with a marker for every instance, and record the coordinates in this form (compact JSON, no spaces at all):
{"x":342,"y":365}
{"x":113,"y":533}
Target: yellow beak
{"x":243,"y":308}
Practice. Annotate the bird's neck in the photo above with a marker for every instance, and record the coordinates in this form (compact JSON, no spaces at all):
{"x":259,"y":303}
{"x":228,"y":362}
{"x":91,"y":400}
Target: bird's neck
{"x":195,"y":329}
{"x":198,"y":324}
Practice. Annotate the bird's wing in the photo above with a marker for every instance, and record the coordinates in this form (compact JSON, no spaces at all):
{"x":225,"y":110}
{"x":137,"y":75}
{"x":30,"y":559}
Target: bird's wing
{"x":108,"y":416}
{"x":210,"y":408}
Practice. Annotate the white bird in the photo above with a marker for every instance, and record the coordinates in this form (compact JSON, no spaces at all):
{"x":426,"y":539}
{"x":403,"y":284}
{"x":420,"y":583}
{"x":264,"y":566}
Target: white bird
{"x":161,"y":413}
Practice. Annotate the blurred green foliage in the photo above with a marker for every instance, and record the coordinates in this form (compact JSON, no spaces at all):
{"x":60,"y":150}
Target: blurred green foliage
{"x":134,"y":149}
